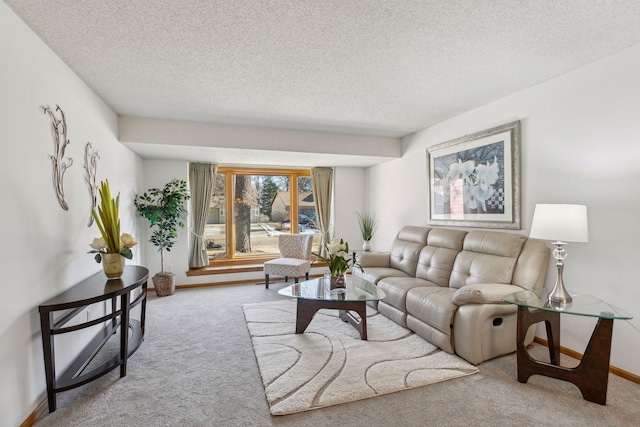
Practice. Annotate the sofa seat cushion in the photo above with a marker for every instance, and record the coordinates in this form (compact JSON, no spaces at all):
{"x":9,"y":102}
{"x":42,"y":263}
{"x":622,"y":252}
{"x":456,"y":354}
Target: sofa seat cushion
{"x":433,"y":306}
{"x":292,"y":267}
{"x":374,"y":274}
{"x":397,"y":288}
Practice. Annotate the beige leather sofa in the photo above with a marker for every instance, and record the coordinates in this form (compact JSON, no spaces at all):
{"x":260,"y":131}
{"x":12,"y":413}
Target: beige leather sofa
{"x":447,"y":286}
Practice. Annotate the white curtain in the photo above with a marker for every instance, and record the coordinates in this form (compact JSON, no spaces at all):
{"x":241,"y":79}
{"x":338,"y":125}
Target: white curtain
{"x":322,"y":184}
{"x":202,"y":177}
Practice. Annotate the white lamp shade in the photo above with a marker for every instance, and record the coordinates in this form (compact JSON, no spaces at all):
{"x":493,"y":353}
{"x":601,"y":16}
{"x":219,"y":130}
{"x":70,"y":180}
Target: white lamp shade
{"x":566,"y":223}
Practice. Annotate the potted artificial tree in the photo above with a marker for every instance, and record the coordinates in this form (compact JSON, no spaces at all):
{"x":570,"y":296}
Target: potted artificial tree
{"x":368,"y":225}
{"x":166,"y":210}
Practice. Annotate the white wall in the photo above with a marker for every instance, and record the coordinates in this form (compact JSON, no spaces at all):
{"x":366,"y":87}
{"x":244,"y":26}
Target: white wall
{"x":580,"y":144}
{"x":349,"y":198}
{"x":44,"y":247}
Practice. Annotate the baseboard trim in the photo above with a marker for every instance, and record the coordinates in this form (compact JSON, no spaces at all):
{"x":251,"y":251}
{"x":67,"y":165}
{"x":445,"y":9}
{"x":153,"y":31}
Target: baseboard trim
{"x":33,"y":417}
{"x":612,"y":369}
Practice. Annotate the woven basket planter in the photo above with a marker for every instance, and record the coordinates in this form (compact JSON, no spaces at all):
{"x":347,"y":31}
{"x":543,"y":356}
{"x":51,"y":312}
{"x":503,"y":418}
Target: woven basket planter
{"x":164,"y":284}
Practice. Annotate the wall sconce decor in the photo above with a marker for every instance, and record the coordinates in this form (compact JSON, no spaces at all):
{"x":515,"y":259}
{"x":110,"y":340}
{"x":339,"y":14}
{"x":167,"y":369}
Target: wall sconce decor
{"x":90,"y":166}
{"x":60,"y":166}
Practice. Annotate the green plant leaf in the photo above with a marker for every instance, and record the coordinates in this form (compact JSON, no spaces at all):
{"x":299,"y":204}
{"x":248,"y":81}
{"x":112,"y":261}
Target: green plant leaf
{"x":126,"y":252}
{"x":368,"y":225}
{"x":165,"y":210}
{"x":106,"y":218}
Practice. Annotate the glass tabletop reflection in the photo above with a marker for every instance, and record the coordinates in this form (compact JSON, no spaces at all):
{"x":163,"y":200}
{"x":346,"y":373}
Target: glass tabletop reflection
{"x":356,"y":289}
{"x":582,"y":304}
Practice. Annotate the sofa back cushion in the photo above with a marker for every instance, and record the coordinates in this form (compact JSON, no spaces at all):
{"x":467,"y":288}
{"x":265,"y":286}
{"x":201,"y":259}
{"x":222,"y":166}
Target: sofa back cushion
{"x":406,"y":248}
{"x":487,"y":257}
{"x":436,"y":259}
{"x":533,"y":263}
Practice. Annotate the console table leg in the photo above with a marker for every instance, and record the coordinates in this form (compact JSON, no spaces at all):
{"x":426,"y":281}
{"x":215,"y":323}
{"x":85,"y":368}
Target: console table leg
{"x":124,"y":333}
{"x":143,"y":309}
{"x":114,"y":308}
{"x":46,"y":320}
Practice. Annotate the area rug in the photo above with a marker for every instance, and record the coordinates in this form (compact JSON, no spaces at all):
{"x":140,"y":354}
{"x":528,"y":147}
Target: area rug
{"x":329,"y":364}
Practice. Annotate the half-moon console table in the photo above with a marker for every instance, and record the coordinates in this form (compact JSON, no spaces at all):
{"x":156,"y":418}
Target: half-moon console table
{"x":90,"y":291}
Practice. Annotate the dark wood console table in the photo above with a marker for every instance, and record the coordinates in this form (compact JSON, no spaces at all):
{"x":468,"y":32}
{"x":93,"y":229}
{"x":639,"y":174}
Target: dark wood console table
{"x":75,"y":299}
{"x":591,"y":376}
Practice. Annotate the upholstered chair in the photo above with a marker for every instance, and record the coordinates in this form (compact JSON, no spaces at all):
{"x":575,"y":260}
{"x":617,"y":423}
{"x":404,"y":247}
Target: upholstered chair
{"x":294,"y":261}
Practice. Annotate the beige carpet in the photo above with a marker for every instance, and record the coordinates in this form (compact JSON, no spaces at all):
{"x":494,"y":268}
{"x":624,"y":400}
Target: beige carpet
{"x":329,"y":364}
{"x":197,"y":368}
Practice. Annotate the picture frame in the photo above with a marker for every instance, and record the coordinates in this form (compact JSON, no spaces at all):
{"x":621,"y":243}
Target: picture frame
{"x":474,"y":181}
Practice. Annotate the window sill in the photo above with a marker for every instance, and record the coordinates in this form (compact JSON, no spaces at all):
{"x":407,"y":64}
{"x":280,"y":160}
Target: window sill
{"x":229,"y":268}
{"x":224,"y":269}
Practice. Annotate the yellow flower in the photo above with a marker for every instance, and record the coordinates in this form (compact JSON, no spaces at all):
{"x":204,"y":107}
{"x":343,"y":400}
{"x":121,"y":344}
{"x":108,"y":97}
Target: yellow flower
{"x":128,"y":240}
{"x":98,"y":244}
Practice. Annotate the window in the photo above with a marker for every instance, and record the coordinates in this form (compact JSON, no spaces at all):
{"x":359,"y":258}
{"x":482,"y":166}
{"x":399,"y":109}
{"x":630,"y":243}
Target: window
{"x":251,"y":207}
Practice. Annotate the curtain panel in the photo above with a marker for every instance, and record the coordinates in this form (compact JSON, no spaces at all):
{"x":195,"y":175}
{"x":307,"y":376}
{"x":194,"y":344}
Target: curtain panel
{"x":322,"y":183}
{"x":201,"y":181}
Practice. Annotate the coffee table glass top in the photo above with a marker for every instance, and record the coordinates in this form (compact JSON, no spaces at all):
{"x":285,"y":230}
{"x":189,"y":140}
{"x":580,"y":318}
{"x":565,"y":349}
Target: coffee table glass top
{"x":582,"y":305}
{"x":357,"y":289}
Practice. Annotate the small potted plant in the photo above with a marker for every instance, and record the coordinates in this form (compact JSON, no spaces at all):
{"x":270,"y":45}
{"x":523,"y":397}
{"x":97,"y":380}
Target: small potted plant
{"x":368,"y":225}
{"x":111,"y":248}
{"x":166,"y":211}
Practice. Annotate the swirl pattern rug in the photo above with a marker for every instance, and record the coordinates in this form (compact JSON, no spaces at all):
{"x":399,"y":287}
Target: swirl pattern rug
{"x":329,"y":364}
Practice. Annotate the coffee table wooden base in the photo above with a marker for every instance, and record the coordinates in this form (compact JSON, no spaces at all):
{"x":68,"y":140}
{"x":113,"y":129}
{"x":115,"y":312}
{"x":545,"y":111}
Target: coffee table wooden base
{"x":307,"y":308}
{"x":591,"y":376}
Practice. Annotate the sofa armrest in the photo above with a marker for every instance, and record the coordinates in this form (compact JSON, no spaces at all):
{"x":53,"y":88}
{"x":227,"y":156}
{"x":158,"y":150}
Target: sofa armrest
{"x":483,"y":293}
{"x":373,"y":259}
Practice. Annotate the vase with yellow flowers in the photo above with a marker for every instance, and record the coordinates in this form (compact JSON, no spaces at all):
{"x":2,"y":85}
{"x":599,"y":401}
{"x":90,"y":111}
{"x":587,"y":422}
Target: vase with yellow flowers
{"x":112,"y":248}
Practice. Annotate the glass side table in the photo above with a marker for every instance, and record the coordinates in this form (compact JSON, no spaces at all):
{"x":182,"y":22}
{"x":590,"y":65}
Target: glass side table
{"x":591,"y":376}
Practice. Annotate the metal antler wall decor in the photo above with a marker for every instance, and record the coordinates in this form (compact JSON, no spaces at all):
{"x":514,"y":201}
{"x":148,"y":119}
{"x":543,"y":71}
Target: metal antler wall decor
{"x":90,"y":166}
{"x":59,"y":130}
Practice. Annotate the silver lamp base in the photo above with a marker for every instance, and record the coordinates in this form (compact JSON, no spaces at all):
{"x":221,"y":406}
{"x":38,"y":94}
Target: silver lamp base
{"x":559,"y":294}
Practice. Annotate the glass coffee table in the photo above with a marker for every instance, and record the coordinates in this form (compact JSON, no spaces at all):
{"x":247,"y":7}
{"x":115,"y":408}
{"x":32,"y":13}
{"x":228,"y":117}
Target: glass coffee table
{"x":313,"y":295}
{"x":591,"y":376}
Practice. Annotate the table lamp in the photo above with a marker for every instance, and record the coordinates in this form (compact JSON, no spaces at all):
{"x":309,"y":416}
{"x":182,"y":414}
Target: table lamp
{"x":561,"y":224}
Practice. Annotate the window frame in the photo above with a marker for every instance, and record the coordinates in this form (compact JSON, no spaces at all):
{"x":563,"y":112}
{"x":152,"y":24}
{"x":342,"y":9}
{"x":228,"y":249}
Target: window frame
{"x":232,"y":258}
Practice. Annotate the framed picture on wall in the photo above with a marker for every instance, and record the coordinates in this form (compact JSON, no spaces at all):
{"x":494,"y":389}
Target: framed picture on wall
{"x":474,"y":181}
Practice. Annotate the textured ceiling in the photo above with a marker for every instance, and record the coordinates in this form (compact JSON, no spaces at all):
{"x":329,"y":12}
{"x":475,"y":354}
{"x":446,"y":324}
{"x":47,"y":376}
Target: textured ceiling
{"x":373,"y":67}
